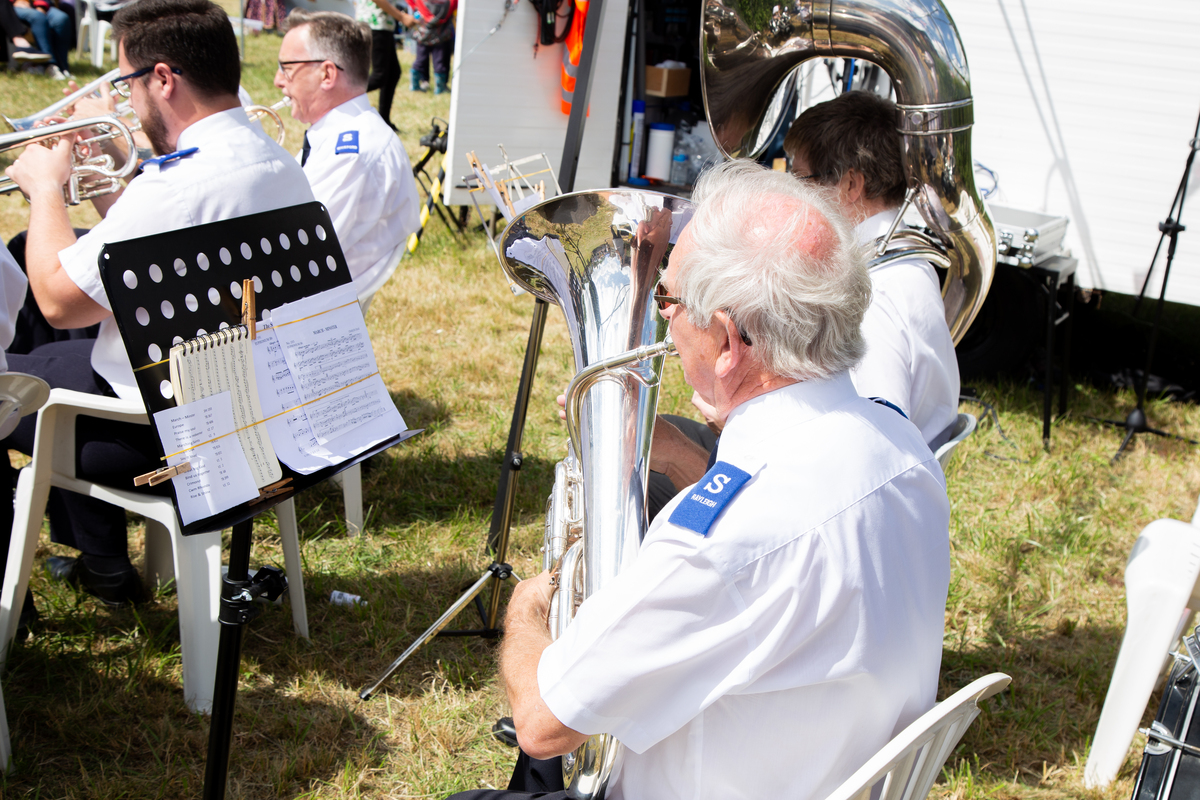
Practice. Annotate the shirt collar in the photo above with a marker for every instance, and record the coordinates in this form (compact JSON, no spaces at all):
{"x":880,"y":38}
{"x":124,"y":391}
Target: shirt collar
{"x":796,"y":402}
{"x":875,"y":226}
{"x":212,"y":128}
{"x":347,"y":110}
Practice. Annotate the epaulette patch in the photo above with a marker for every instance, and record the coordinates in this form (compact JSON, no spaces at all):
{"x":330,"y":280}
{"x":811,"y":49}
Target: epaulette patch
{"x":347,"y":142}
{"x":707,"y":499}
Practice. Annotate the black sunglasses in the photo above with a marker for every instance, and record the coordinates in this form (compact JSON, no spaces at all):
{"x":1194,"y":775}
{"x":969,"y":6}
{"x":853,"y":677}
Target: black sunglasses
{"x":663,"y":300}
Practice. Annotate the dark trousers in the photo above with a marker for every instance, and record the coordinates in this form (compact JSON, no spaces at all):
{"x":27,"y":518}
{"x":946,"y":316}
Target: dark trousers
{"x":436,"y":54}
{"x":385,"y":70}
{"x":659,"y":489}
{"x":32,"y":330}
{"x":531,"y":778}
{"x":111,"y":453}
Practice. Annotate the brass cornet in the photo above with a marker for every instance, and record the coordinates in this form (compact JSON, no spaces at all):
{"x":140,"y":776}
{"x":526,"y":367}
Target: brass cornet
{"x":93,"y":173}
{"x":57,"y":109}
{"x":257,"y":112}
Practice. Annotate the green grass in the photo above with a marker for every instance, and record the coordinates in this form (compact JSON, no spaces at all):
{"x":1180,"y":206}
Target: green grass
{"x":95,"y":701}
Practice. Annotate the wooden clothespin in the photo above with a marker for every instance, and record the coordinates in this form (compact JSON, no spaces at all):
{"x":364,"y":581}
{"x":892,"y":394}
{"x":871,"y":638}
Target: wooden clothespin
{"x":273,"y":490}
{"x":163,"y":474}
{"x":248,"y":312}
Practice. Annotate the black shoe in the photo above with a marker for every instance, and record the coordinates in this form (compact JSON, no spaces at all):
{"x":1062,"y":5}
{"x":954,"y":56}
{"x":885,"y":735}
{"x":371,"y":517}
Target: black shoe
{"x":505,"y":731}
{"x":29,"y":619}
{"x":113,"y":589}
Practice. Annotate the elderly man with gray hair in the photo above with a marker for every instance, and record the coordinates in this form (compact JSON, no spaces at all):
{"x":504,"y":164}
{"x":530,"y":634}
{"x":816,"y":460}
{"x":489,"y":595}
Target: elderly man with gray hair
{"x":355,"y":163}
{"x":791,"y":600}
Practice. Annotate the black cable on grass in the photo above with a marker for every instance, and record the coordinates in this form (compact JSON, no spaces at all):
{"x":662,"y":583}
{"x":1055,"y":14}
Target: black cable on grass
{"x":990,"y":410}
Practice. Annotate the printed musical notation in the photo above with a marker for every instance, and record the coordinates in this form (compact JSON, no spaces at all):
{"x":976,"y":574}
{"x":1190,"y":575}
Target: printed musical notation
{"x":327,"y":349}
{"x":330,"y":413}
{"x":200,"y":433}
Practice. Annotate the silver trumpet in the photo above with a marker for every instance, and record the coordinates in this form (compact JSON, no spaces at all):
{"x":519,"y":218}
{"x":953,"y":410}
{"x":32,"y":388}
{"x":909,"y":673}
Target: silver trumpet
{"x":597,"y":255}
{"x":93,"y":173}
{"x":751,"y":58}
{"x":56,"y":109}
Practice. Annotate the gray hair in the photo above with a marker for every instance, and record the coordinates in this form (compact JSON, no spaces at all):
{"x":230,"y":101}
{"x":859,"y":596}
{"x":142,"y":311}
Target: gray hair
{"x":338,"y":38}
{"x":779,"y":258}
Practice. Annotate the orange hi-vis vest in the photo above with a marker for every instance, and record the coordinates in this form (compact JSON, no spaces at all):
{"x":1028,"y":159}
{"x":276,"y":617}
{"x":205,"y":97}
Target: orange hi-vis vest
{"x":572,"y":49}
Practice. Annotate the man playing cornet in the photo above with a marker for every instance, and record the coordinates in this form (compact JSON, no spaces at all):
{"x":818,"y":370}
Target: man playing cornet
{"x":783,"y":618}
{"x":355,"y":163}
{"x":180,"y":69}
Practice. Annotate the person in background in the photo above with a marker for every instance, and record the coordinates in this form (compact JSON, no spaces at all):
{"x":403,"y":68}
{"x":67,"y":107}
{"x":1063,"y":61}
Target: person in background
{"x":53,"y":31}
{"x":180,"y":69}
{"x":381,"y":16}
{"x":432,"y":23}
{"x":850,"y":144}
{"x":271,"y":13}
{"x":355,"y":163}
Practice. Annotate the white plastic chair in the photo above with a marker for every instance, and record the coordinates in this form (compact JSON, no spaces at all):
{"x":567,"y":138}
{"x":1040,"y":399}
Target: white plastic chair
{"x":1162,"y":588}
{"x":195,"y":561}
{"x":964,"y":426}
{"x":20,"y":394}
{"x":91,"y":33}
{"x":910,"y":763}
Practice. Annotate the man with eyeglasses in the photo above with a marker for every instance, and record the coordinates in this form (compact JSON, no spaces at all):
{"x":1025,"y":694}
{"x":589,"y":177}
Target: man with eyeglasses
{"x":851,"y":145}
{"x":792,"y":600}
{"x":353,"y":159}
{"x":180,"y":68}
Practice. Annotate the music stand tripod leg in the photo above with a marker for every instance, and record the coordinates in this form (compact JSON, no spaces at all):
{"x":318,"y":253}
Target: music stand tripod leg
{"x":238,"y":592}
{"x":502,"y":512}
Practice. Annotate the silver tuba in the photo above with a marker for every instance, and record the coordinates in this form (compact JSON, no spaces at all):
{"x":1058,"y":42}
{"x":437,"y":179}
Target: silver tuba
{"x":597,"y":255}
{"x":751,"y":55}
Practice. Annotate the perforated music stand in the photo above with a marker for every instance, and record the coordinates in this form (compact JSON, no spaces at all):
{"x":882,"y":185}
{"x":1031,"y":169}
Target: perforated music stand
{"x":173,"y":286}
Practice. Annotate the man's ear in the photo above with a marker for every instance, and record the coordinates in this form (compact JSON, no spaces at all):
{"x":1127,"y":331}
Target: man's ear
{"x":730,"y":348}
{"x":853,"y":186}
{"x":168,"y":78}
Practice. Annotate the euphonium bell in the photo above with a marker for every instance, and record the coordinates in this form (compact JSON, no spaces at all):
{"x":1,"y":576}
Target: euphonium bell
{"x":598,"y":255}
{"x":751,"y":56}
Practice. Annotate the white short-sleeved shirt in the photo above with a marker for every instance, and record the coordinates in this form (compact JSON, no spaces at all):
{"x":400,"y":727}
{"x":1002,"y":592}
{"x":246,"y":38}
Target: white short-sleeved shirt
{"x":910,"y":358}
{"x":359,"y":170}
{"x":773,"y":656}
{"x":12,"y":296}
{"x":237,"y":170}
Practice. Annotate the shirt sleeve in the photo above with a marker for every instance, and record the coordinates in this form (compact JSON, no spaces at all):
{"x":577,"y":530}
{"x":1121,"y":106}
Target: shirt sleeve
{"x":139,"y":212}
{"x":886,"y":368}
{"x":662,"y":642}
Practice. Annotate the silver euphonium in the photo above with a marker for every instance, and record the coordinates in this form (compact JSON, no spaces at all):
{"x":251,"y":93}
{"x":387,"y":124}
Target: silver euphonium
{"x":597,"y":255}
{"x":750,"y":69}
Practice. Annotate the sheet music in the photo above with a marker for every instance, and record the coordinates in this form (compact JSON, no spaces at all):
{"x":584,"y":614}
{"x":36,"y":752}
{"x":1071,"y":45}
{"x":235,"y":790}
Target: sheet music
{"x":223,"y":362}
{"x":370,"y":416}
{"x":220,"y":477}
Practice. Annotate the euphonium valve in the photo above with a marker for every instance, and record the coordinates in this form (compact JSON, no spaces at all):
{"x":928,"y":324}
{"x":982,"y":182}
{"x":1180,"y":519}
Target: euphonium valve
{"x":598,"y":255}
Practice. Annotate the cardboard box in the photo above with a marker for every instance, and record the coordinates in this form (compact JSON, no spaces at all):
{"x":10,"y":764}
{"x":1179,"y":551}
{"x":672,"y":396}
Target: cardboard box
{"x":667,"y":82}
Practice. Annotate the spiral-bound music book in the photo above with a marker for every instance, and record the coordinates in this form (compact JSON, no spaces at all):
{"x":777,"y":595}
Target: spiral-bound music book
{"x":223,"y":362}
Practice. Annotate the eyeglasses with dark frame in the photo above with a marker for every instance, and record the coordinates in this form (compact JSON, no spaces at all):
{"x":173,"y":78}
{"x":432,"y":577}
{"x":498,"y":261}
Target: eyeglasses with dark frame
{"x":121,"y":82}
{"x":663,"y":300}
{"x":288,"y":75}
{"x":814,"y":177}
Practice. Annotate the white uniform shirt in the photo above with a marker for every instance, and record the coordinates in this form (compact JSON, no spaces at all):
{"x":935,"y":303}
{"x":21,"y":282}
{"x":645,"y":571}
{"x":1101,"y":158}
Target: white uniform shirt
{"x":910,"y":358}
{"x":12,"y":296}
{"x":359,"y":170}
{"x":772,"y":657}
{"x":237,"y":171}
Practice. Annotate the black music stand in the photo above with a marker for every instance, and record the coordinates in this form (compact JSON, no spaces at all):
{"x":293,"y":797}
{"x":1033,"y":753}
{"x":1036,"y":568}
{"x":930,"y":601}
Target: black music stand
{"x":174,"y":286}
{"x":506,"y":493}
{"x":1136,"y":422}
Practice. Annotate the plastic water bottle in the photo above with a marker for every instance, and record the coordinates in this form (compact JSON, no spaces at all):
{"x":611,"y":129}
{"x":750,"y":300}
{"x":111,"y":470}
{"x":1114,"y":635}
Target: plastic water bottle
{"x":681,"y":172}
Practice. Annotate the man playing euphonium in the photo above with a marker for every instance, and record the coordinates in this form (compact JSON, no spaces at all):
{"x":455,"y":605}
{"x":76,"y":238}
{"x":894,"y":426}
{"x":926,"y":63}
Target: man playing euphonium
{"x":783,"y":618}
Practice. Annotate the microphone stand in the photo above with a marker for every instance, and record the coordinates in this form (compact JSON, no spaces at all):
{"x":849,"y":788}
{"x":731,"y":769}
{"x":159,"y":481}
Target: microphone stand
{"x":1135,"y":422}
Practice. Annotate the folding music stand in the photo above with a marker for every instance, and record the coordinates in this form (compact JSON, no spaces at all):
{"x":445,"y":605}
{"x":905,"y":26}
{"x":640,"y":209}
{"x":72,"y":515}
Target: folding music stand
{"x":174,"y":286}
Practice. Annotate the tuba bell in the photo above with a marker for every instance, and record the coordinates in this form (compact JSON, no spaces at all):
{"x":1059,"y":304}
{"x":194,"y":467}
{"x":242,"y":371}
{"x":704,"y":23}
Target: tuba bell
{"x":597,"y":255}
{"x":752,"y":53}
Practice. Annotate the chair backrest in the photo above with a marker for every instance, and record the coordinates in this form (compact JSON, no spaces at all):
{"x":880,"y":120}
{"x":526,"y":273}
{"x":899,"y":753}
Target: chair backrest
{"x":910,"y":763}
{"x":964,"y":426}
